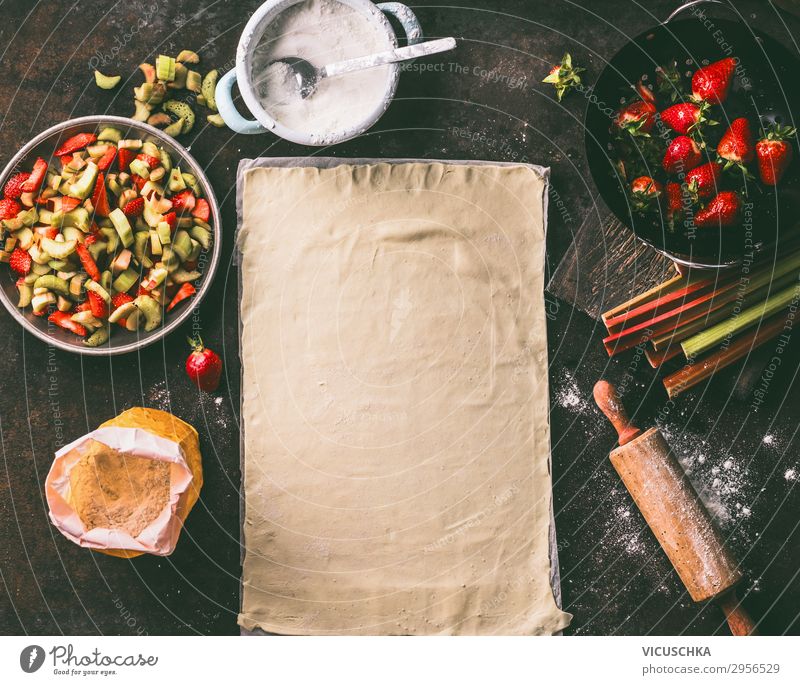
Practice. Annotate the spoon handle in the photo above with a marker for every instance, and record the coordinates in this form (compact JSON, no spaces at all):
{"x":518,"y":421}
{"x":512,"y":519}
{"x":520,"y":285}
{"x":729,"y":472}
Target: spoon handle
{"x":430,"y":47}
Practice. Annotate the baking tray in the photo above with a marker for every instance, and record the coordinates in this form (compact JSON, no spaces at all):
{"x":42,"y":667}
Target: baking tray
{"x":328,"y":163}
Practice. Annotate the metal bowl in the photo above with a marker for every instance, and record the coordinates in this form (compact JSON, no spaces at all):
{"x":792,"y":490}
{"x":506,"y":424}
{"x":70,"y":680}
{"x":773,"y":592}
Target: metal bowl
{"x":120,"y":341}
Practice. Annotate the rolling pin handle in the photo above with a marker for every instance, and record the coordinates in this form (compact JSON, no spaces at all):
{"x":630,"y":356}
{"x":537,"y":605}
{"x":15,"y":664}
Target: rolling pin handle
{"x":607,"y":399}
{"x":739,"y":621}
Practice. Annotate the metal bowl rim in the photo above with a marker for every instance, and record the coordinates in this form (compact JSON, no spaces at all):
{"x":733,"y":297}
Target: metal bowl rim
{"x":210,"y":270}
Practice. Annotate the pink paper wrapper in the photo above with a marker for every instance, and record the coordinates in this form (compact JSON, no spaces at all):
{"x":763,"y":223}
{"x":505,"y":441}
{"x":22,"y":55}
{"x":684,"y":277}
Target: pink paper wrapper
{"x":161,"y":535}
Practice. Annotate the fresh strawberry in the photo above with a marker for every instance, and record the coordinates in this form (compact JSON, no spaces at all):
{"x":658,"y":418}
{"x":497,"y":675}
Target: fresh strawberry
{"x":117,"y":301}
{"x":20,"y":261}
{"x":9,"y":208}
{"x":674,"y":199}
{"x":183,"y":201}
{"x":736,"y":144}
{"x":172,"y":219}
{"x":774,"y":153}
{"x":713,"y":82}
{"x":563,"y":76}
{"x":151,"y":161}
{"x":203,"y":366}
{"x":134,"y":207}
{"x":125,"y":157}
{"x":97,"y":304}
{"x":107,"y":159}
{"x":185,"y":292}
{"x":77,"y":142}
{"x":703,"y":181}
{"x":201,"y":210}
{"x":99,"y":197}
{"x":682,"y":155}
{"x":644,"y":191}
{"x":686,"y":117}
{"x":637,"y":118}
{"x":722,"y":211}
{"x":89,"y":265}
{"x":33,"y":181}
{"x":64,"y":320}
{"x":13,"y":188}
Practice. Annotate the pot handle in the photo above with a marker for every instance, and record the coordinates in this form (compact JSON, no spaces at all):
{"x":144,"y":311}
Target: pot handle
{"x":227,"y":109}
{"x":408,"y":20}
{"x":687,"y":5}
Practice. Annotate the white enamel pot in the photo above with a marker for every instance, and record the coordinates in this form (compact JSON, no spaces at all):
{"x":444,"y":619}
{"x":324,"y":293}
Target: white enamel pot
{"x":251,"y":36}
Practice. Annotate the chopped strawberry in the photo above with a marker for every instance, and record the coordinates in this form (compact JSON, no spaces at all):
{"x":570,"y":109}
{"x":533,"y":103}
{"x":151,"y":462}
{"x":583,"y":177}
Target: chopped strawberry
{"x":202,"y":210}
{"x":77,"y":142}
{"x":97,"y":304}
{"x":99,"y":197}
{"x":83,"y":306}
{"x":125,"y":158}
{"x":90,"y":239}
{"x":185,"y":292}
{"x":64,"y":203}
{"x":65,"y":160}
{"x":33,"y":182}
{"x":87,"y":261}
{"x":117,"y":301}
{"x":172,"y":219}
{"x":20,"y":261}
{"x":138,"y":181}
{"x":47,"y":231}
{"x":183,"y":201}
{"x":13,"y":188}
{"x":9,"y":208}
{"x":151,"y":161}
{"x":64,"y":320}
{"x":142,"y":291}
{"x":134,"y":207}
{"x":107,"y":159}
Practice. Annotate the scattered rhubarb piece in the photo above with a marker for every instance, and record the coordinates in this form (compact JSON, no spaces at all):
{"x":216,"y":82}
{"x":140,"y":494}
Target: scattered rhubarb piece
{"x":106,"y":82}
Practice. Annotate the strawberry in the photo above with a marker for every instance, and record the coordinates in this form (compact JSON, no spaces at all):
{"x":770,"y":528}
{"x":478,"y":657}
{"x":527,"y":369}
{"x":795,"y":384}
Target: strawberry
{"x":637,"y":118}
{"x":107,"y":159}
{"x":201,"y":210}
{"x":99,"y":197}
{"x":77,"y":142}
{"x":185,"y":292}
{"x":97,"y":304}
{"x":172,"y":219}
{"x":203,"y":366}
{"x":151,"y":161}
{"x":674,"y":199}
{"x":686,"y":117}
{"x":87,"y":261}
{"x":774,"y":153}
{"x":563,"y":76}
{"x":703,"y":181}
{"x":134,"y":207}
{"x":65,"y":203}
{"x":64,"y":320}
{"x":125,"y":157}
{"x":736,"y":144}
{"x":183,"y":201}
{"x":9,"y":208}
{"x":722,"y":211}
{"x":33,"y":181}
{"x":644,"y":190}
{"x":13,"y":188}
{"x":713,"y":82}
{"x":20,"y":261}
{"x":117,"y":301}
{"x":682,"y":155}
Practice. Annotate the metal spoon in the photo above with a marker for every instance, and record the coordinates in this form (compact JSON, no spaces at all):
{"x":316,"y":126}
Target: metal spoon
{"x":307,"y":76}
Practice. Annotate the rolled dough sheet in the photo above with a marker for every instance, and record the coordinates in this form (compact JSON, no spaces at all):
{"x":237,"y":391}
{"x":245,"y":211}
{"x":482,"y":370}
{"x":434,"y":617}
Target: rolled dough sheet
{"x":395,"y":403}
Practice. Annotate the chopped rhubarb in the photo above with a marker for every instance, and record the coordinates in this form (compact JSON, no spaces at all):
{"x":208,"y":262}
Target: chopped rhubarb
{"x":185,"y":292}
{"x":77,"y":142}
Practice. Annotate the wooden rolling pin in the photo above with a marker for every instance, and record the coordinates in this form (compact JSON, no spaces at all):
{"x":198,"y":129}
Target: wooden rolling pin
{"x":674,"y":512}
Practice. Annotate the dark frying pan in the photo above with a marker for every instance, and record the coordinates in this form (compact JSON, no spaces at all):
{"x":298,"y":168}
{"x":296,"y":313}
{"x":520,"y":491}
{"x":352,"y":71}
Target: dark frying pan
{"x":763,"y":90}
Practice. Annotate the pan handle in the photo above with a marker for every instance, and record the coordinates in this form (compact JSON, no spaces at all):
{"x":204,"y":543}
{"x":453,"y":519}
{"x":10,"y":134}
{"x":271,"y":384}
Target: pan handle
{"x":692,"y":3}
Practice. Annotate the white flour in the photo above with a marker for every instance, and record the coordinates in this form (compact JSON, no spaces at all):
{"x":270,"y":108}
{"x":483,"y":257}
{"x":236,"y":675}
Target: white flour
{"x":321,"y":32}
